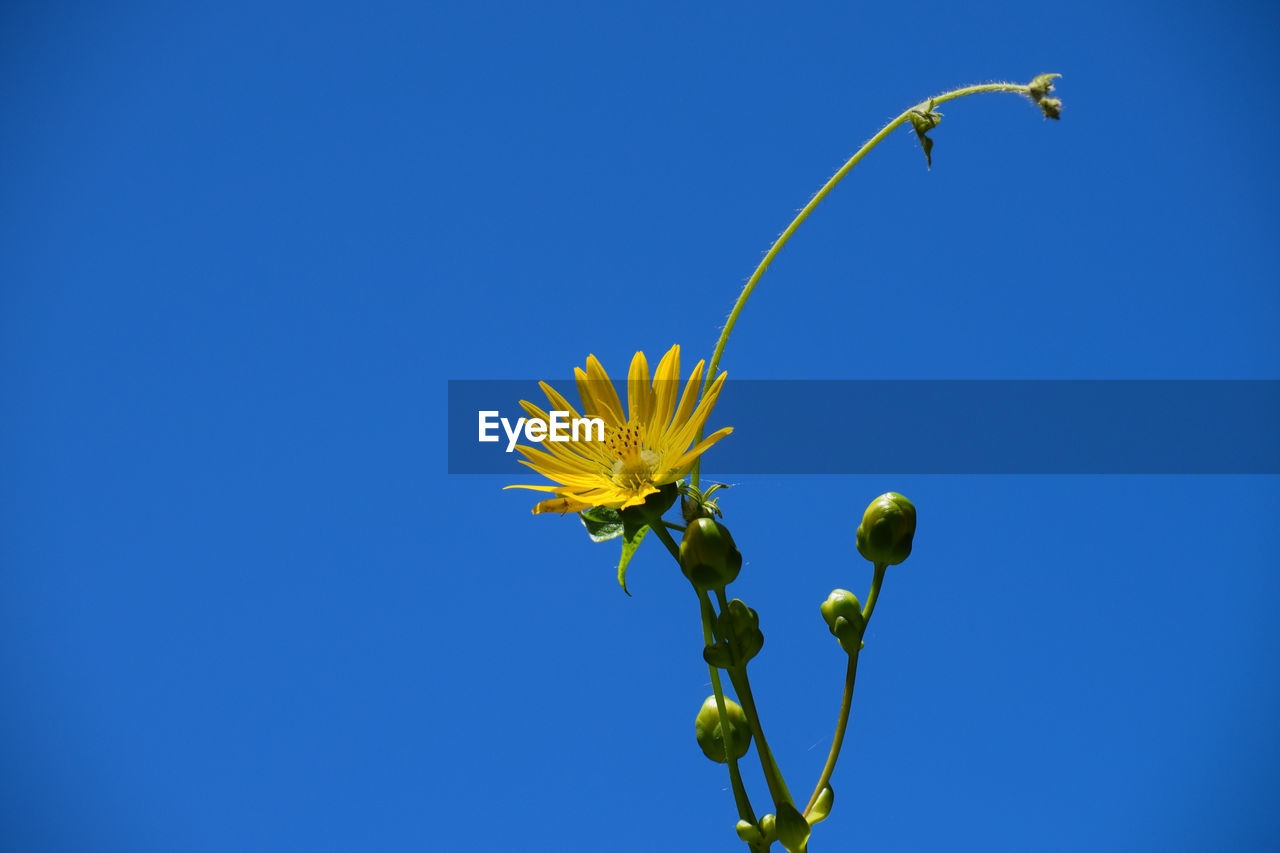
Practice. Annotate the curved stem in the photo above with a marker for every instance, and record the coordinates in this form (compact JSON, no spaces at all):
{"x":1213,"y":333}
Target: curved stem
{"x":846,"y":701}
{"x":842,"y":722}
{"x":800,"y":217}
{"x":874,"y":594}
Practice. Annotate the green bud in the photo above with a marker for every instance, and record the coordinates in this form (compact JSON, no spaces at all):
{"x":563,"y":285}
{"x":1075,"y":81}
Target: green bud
{"x":843,"y":614}
{"x":1038,"y":90}
{"x":708,"y":729}
{"x":708,"y":556}
{"x":749,"y":832}
{"x":695,"y":503}
{"x":768,"y":825}
{"x":1041,"y":85}
{"x":740,"y":624}
{"x":793,"y":829}
{"x":925,"y":120}
{"x":887,"y":528}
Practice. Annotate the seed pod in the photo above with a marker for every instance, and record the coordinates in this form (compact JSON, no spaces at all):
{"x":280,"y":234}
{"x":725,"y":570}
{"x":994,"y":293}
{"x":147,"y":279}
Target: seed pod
{"x":887,"y":528}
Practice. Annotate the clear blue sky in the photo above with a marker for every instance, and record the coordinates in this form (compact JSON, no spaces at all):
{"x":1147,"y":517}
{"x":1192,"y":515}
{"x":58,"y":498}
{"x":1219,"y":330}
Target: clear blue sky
{"x":243,"y":246}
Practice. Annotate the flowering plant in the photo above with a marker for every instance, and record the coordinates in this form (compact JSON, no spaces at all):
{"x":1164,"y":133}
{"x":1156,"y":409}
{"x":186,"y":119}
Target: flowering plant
{"x":623,"y":482}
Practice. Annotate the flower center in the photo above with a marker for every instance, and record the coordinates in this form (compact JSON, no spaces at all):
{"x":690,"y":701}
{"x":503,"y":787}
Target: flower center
{"x":633,"y":465}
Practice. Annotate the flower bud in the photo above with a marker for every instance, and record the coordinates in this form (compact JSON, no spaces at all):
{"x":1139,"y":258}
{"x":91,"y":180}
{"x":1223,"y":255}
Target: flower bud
{"x":843,"y":614}
{"x":1038,"y":90}
{"x":887,"y":528}
{"x":708,"y":556}
{"x":1041,"y":85}
{"x":709,"y":731}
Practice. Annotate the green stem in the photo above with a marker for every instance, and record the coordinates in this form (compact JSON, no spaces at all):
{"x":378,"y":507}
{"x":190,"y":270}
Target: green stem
{"x":871,"y":143}
{"x":846,"y":701}
{"x":742,"y":686}
{"x":772,"y":773}
{"x":708,"y":637}
{"x":661,"y":530}
{"x":735,"y":777}
{"x":842,"y":722}
{"x":876,"y":580}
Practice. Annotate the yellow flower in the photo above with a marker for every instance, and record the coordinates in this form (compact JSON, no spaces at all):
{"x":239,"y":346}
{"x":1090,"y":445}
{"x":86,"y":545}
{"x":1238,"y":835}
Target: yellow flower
{"x":647,"y":448}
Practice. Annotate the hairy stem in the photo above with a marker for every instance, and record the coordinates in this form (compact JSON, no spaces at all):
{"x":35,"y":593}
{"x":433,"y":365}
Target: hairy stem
{"x":1016,"y":88}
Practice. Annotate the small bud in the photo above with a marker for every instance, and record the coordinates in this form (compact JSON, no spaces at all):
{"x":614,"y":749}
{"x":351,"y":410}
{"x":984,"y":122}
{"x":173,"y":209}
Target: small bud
{"x":1038,"y":90}
{"x":708,"y":556}
{"x":925,"y":120}
{"x":887,"y":528}
{"x":742,"y":624}
{"x":1041,"y":85}
{"x":768,"y":825}
{"x":843,"y":614}
{"x":749,"y":832}
{"x":708,"y":729}
{"x":695,"y":503}
{"x":691,"y":509}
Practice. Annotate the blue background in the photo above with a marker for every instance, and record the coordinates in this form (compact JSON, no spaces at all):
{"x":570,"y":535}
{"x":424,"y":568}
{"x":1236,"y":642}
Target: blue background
{"x":245,"y":245}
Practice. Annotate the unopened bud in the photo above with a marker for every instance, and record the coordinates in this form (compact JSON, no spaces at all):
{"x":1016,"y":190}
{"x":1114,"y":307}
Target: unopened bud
{"x":710,"y":732}
{"x":1038,"y":90}
{"x":843,"y":614}
{"x":887,"y":528}
{"x":708,"y":555}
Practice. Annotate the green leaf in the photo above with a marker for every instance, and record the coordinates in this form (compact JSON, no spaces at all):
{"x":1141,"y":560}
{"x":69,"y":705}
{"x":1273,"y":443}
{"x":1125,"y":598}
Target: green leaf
{"x":603,"y":523}
{"x":793,"y":829}
{"x":632,"y":533}
{"x":821,"y":806}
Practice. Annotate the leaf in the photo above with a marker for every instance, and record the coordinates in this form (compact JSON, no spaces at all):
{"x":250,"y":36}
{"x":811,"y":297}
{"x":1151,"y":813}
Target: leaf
{"x":631,"y":535}
{"x":821,"y":806}
{"x":927,"y":144}
{"x":603,"y":523}
{"x":793,"y":829}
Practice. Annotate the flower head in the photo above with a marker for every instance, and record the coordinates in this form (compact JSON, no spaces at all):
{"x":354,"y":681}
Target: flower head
{"x":644,"y":448}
